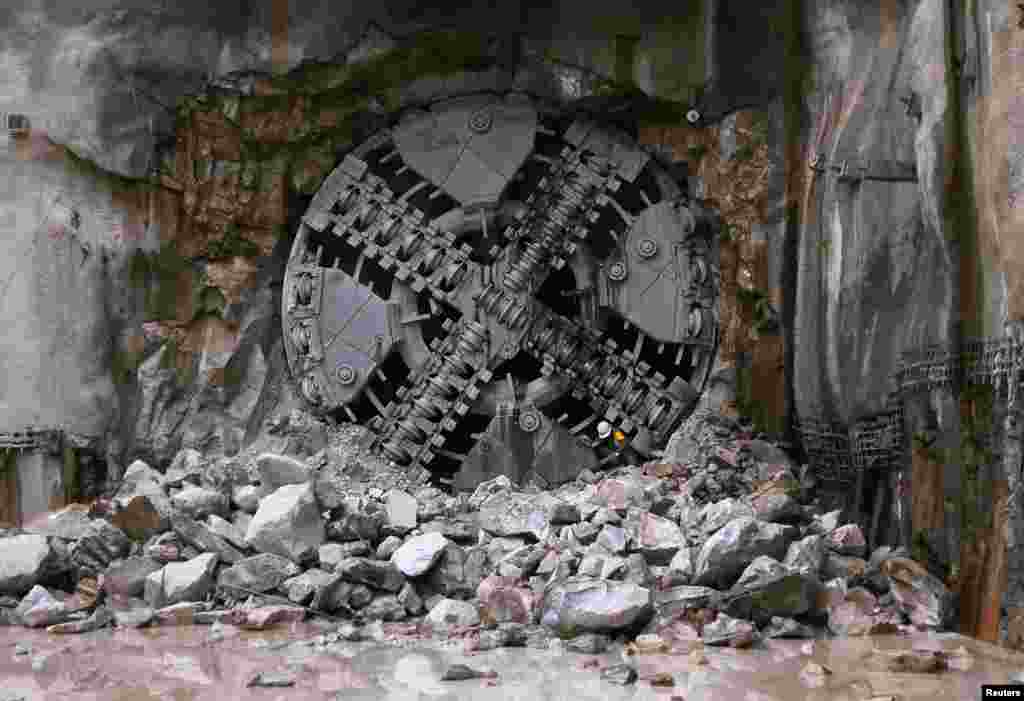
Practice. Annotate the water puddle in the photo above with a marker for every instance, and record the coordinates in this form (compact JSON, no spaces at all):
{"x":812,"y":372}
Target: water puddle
{"x":183,"y":664}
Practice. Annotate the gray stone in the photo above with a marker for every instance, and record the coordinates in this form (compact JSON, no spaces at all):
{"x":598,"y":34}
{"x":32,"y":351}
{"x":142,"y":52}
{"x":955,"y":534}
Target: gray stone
{"x":101,"y":544}
{"x":276,"y":471}
{"x":563,"y":513}
{"x":302,"y":588}
{"x":187,"y":466}
{"x":260,"y":573}
{"x":514,"y":515}
{"x":681,"y":564}
{"x":588,"y":644}
{"x":590,"y":605}
{"x":180,"y":582}
{"x":604,"y":516}
{"x":806,"y":555}
{"x":68,"y":523}
{"x":585,"y":533}
{"x":777,"y":508}
{"x":825,"y":523}
{"x":247,"y":497}
{"x":23,"y":560}
{"x":726,"y":630}
{"x":453,"y":612}
{"x":787,"y":628}
{"x":360,"y":596}
{"x":522,"y":563}
{"x":410,"y":599}
{"x":332,"y":594}
{"x":128,"y":577}
{"x":457,"y":574}
{"x":619,"y":674}
{"x":384,"y":607}
{"x":714,"y":516}
{"x":418,"y":554}
{"x":727,"y":553}
{"x":379,"y":575}
{"x":402,"y":511}
{"x":288,"y":523}
{"x":461,"y":672}
{"x":100,"y":618}
{"x":387,"y":547}
{"x":637,"y":572}
{"x":200,"y":502}
{"x":203,"y":539}
{"x":613,"y":539}
{"x":136,"y":615}
{"x":356,"y":524}
{"x":659,"y":539}
{"x":767,"y":589}
{"x":227,"y":531}
{"x":272,"y":680}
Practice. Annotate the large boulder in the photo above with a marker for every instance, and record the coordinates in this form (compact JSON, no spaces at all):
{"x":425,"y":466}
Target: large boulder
{"x":457,"y":573}
{"x":288,"y":523}
{"x":729,"y":551}
{"x":179,"y":582}
{"x":276,"y":471}
{"x":260,"y":573}
{"x":586,"y":605}
{"x":514,"y":514}
{"x":767,"y":589}
{"x":418,"y":554}
{"x":24,"y":560}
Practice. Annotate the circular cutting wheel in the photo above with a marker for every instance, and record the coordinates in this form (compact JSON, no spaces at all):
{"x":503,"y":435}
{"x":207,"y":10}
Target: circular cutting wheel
{"x":483,"y":282}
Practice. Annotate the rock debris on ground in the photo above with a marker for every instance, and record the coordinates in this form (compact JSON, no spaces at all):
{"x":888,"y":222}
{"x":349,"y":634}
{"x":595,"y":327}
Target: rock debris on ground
{"x":717,"y":544}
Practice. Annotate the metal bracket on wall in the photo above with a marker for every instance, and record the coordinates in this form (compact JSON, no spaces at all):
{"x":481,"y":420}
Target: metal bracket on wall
{"x":857,"y":170}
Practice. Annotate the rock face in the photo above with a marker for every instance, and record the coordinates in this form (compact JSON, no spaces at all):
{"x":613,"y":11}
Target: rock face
{"x":181,"y":581}
{"x":729,"y":551}
{"x":589,"y":605}
{"x":288,"y":523}
{"x":23,"y":559}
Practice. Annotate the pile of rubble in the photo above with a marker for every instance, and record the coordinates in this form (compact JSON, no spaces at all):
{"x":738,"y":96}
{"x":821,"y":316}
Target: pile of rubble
{"x":719,"y":544}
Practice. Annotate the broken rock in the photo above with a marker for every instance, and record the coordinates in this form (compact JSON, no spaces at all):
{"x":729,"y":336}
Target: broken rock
{"x":919,"y":594}
{"x":200,"y":502}
{"x":288,"y":523}
{"x":128,"y":577}
{"x":401,"y":512}
{"x":276,"y":471}
{"x":847,"y":540}
{"x":596,"y":606}
{"x":659,"y":539}
{"x":40,"y":608}
{"x":502,"y":601}
{"x":451,"y":612}
{"x":260,"y":573}
{"x":24,"y":559}
{"x":418,"y":554}
{"x":726,"y":630}
{"x":379,"y":575}
{"x":728,"y":552}
{"x":181,"y":581}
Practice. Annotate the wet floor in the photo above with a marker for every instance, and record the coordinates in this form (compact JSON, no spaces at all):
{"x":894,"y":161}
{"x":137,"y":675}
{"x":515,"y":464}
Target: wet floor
{"x":184,"y":664}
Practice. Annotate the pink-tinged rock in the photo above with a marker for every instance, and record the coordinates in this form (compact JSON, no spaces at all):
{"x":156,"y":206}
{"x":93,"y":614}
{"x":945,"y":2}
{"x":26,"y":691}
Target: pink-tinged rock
{"x":182,"y":614}
{"x":265,"y":616}
{"x":847,"y":540}
{"x":164,"y":553}
{"x":501,"y":601}
{"x":618,"y":494}
{"x":728,"y":456}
